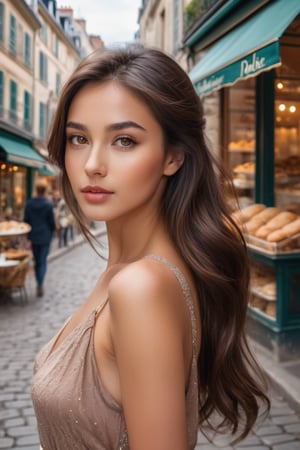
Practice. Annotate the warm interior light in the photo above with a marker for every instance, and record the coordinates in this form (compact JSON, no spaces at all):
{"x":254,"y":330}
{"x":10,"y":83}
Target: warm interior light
{"x":282,"y":107}
{"x":3,"y":166}
{"x":292,"y":108}
{"x":279,"y":85}
{"x":15,"y":168}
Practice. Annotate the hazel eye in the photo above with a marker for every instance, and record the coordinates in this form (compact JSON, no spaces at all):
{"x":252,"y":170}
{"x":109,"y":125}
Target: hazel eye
{"x":77,"y":140}
{"x":125,"y":141}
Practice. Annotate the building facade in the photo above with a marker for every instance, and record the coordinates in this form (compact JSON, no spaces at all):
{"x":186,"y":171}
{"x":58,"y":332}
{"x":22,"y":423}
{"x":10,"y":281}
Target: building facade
{"x":161,"y":25}
{"x":38,"y":52}
{"x":19,"y":160}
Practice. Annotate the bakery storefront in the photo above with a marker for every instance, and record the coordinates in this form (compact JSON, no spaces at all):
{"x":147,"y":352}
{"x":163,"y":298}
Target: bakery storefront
{"x":20,"y":164}
{"x":249,"y":82}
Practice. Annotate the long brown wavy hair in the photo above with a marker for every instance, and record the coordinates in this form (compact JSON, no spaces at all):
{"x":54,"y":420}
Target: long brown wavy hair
{"x":197,"y":215}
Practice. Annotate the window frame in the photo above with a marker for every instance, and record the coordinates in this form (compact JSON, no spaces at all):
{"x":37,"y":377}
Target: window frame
{"x":13,"y":34}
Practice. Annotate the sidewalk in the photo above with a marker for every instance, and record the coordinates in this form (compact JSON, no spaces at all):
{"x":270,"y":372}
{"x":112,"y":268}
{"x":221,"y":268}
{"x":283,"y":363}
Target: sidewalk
{"x":277,"y":353}
{"x":56,"y":251}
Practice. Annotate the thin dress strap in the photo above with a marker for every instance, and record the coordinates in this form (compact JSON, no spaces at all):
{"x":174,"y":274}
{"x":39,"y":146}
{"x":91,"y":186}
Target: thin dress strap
{"x":100,"y":307}
{"x":186,"y":293}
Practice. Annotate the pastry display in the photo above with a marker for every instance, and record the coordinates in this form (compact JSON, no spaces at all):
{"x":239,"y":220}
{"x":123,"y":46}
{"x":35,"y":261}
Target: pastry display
{"x":8,"y":227}
{"x":247,"y":167}
{"x":261,"y":219}
{"x":264,"y":306}
{"x":242,"y":145}
{"x":270,"y":229}
{"x":277,"y":222}
{"x":258,"y":302}
{"x":285,"y":232}
{"x":242,"y":216}
{"x":263,"y":289}
{"x":290,"y":166}
{"x":283,"y":169}
{"x":271,"y":309}
{"x":269,"y":289}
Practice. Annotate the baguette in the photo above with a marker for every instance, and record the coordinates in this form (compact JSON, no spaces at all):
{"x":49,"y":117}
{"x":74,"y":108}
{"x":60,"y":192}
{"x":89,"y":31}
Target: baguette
{"x":261,"y":219}
{"x":276,"y":223}
{"x":286,"y":232}
{"x":243,"y":215}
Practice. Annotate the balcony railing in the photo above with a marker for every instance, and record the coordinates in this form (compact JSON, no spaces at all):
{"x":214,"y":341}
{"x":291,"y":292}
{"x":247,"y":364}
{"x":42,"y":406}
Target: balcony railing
{"x":194,"y":10}
{"x":12,"y":118}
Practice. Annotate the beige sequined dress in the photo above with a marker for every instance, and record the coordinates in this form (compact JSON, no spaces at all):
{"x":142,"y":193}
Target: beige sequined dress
{"x":74,"y":410}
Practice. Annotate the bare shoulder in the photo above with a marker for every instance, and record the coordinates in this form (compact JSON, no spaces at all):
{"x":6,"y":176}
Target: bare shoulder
{"x":144,"y":281}
{"x":148,"y":312}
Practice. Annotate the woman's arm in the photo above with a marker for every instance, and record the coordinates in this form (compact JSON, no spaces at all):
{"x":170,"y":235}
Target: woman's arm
{"x":147,"y":327}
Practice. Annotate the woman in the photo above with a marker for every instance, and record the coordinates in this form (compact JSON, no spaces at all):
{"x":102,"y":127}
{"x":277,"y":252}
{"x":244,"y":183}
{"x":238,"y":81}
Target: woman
{"x":159,"y":344}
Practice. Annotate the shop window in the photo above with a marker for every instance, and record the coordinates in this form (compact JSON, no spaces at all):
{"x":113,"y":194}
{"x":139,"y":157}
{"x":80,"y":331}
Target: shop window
{"x":43,"y":67}
{"x":13,"y":34}
{"x":1,"y":22}
{"x":13,"y":101}
{"x":287,"y":129}
{"x":241,"y":138}
{"x":42,"y":123}
{"x":27,"y":50}
{"x":27,"y":111}
{"x":1,"y":93}
{"x":12,"y":188}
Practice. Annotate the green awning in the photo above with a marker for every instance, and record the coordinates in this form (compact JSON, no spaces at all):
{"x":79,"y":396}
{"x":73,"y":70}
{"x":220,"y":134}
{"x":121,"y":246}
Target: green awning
{"x":19,"y":151}
{"x":49,"y":170}
{"x":247,"y":50}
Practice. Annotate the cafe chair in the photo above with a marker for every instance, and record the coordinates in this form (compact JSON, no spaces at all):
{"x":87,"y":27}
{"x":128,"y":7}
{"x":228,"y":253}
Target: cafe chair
{"x":13,"y":280}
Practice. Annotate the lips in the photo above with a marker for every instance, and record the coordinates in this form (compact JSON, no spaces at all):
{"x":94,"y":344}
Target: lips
{"x":96,"y":194}
{"x":95,"y":190}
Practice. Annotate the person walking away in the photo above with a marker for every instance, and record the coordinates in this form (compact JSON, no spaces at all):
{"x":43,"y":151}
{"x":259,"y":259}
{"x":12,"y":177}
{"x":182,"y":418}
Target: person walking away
{"x":39,"y":215}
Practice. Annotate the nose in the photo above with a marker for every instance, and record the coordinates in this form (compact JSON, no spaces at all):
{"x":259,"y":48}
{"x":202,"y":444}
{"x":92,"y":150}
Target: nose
{"x":96,"y":163}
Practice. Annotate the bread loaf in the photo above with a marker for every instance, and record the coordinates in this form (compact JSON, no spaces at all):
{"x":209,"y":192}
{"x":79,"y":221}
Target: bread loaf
{"x":243,"y":215}
{"x":261,"y":219}
{"x":275,"y":236}
{"x":279,"y":221}
{"x":286,"y":232}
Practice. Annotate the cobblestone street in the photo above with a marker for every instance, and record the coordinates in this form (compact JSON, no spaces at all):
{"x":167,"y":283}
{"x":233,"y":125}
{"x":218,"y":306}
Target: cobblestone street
{"x":23,"y":331}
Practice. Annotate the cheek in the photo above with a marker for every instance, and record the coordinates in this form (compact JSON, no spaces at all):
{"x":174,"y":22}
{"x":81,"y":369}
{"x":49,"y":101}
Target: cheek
{"x":146,"y":169}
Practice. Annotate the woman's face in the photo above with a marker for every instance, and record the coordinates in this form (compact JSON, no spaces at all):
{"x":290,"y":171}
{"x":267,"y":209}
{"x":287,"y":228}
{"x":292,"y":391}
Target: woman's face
{"x":115,"y":157}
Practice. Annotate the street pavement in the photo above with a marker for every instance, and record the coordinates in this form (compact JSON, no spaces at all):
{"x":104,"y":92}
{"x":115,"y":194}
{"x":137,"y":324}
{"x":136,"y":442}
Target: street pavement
{"x":24,"y":329}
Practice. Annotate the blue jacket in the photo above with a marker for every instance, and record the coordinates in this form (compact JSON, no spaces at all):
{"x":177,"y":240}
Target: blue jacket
{"x":40,"y":215}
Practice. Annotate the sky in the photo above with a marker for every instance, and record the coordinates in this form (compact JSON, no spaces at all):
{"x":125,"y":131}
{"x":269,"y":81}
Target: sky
{"x":114,"y":20}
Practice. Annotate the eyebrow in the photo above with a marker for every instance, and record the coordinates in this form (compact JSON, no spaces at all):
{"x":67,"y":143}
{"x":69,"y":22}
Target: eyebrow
{"x":76,"y":125}
{"x":112,"y":127}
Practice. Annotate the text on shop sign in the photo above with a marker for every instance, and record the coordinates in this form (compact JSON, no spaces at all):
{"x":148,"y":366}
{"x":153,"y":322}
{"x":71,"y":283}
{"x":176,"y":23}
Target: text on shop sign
{"x":248,"y":67}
